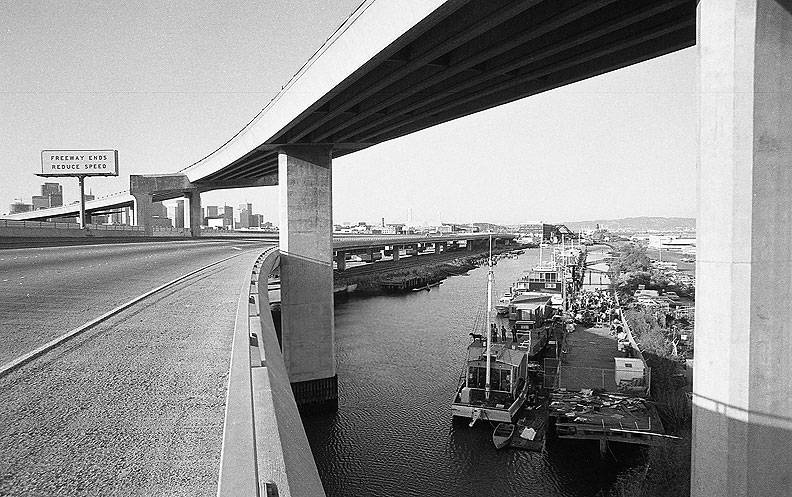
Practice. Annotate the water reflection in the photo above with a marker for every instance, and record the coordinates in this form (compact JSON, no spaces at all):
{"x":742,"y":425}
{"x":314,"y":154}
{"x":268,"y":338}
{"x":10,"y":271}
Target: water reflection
{"x":399,"y":359}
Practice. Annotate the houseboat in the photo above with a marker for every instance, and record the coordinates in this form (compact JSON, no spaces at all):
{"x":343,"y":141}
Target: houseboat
{"x":507,"y":370}
{"x":494,"y":380}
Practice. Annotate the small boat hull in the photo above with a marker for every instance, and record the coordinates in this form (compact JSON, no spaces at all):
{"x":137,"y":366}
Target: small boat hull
{"x":474,"y":413}
{"x":502,"y":435}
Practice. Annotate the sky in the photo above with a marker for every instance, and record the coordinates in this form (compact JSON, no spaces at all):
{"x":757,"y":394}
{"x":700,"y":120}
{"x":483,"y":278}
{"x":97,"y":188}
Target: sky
{"x":165,"y":83}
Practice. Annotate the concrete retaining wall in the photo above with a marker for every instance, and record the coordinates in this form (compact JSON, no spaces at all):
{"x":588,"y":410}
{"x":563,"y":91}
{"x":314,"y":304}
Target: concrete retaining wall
{"x":30,"y":232}
{"x":264,"y":442}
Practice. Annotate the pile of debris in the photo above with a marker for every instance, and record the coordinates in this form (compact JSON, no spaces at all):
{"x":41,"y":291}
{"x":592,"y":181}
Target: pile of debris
{"x":605,"y":409}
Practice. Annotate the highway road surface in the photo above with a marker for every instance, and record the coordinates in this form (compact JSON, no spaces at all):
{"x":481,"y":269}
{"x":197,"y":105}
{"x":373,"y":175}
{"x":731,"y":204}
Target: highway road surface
{"x":134,"y":406}
{"x":45,"y":292}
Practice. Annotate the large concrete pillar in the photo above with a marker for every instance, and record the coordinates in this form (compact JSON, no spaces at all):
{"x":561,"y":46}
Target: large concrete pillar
{"x":306,"y":246}
{"x":194,"y":198}
{"x":742,"y":402}
{"x":395,"y":252}
{"x":143,"y":212}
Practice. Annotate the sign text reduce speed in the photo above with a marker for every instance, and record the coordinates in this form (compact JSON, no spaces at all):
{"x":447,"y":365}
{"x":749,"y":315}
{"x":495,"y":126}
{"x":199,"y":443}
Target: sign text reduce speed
{"x":79,"y":162}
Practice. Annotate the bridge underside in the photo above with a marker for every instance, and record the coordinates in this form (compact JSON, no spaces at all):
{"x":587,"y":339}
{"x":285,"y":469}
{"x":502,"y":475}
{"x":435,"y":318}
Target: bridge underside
{"x":481,"y":54}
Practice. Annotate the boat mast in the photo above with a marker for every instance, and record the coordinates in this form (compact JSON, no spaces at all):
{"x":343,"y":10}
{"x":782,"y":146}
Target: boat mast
{"x":490,"y":277}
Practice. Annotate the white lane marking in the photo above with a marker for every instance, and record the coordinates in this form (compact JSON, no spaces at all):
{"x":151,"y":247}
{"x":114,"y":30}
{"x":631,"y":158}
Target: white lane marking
{"x":236,"y":248}
{"x":23,"y":359}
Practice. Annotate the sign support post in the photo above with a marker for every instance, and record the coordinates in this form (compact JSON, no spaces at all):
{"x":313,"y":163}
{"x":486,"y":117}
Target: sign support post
{"x":79,"y":163}
{"x":81,"y":178}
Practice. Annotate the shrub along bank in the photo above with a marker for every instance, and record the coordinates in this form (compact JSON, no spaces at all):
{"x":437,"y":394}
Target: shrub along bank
{"x":666,"y":472}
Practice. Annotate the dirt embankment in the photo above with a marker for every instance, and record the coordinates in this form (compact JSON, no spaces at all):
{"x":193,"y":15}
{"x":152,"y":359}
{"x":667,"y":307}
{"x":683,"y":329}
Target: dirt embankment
{"x":370,"y":278}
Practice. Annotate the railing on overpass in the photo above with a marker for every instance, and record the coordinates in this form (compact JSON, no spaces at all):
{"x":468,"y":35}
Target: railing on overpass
{"x":11,"y":223}
{"x":265,"y":449}
{"x":169,"y":229}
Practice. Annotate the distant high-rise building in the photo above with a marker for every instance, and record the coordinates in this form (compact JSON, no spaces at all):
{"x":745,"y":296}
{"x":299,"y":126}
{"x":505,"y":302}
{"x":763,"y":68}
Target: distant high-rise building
{"x":40,"y":202}
{"x":211,"y":211}
{"x":51,"y":196}
{"x":157,"y":209}
{"x":54,"y":191}
{"x":245,"y":211}
{"x":117,"y":217}
{"x":159,"y":216}
{"x":19,"y":206}
{"x":88,"y":196}
{"x":178,"y":218}
{"x":228,"y":216}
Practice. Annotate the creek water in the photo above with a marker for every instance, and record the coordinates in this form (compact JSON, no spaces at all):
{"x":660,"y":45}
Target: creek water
{"x":399,"y":360}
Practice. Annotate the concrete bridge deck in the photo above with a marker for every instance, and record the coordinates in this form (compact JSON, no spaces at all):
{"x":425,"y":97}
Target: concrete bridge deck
{"x":133,"y":406}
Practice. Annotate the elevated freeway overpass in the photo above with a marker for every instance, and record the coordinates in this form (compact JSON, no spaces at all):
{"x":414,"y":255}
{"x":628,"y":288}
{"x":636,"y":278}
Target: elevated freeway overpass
{"x":397,"y":67}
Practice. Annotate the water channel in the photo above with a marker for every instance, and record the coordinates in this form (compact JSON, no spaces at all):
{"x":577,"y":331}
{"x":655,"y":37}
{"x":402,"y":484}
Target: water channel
{"x":399,"y":360}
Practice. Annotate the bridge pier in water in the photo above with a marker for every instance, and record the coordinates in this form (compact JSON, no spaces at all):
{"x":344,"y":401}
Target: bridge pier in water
{"x":306,"y":271}
{"x":742,"y":399}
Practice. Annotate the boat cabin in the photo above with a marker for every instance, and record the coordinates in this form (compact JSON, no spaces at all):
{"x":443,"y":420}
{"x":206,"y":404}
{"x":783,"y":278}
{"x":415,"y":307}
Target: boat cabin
{"x":508,"y":370}
{"x":531,"y":307}
{"x":545,"y":277}
{"x":531,"y":337}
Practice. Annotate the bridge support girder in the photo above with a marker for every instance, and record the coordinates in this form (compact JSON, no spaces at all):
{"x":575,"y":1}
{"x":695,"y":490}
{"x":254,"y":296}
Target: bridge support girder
{"x":306,"y":248}
{"x":742,"y":430}
{"x":144,"y":187}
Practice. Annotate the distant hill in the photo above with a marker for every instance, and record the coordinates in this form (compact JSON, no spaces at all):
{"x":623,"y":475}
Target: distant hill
{"x":636,"y":224}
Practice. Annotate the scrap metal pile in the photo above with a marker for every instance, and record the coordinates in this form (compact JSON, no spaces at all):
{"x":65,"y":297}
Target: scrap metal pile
{"x":607,"y":410}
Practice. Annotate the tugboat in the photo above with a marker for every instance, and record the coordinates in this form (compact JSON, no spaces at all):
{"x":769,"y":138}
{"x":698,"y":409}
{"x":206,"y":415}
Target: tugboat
{"x":494,"y":382}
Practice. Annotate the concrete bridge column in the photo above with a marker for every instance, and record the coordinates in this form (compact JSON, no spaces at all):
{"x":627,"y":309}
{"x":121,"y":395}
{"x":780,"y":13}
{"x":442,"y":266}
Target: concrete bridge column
{"x":194,"y":198}
{"x":742,"y":394}
{"x":395,"y":252}
{"x":469,"y":245}
{"x":340,"y":260}
{"x":306,"y":246}
{"x":144,"y":204}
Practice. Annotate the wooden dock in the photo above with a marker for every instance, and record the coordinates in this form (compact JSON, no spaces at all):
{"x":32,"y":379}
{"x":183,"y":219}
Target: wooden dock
{"x":585,"y":401}
{"x":531,"y":431}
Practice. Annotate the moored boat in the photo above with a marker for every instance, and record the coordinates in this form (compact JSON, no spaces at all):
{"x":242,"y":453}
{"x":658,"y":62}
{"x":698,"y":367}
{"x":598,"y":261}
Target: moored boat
{"x":494,"y":382}
{"x":502,"y":307}
{"x":503,"y":434}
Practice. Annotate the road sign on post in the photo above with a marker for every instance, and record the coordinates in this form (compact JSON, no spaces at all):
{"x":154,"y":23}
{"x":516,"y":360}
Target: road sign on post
{"x":79,"y":164}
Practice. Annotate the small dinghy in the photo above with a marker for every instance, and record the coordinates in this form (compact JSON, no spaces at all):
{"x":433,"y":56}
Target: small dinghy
{"x":502,"y":435}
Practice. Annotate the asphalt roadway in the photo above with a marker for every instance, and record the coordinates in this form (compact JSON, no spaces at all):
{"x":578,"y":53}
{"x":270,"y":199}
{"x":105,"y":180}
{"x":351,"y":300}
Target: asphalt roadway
{"x":134,"y":406}
{"x":45,"y":292}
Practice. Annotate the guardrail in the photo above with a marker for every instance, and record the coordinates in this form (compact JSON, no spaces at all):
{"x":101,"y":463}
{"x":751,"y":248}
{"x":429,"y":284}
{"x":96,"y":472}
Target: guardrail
{"x":265,"y":449}
{"x":11,"y":223}
{"x":168,"y":229}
